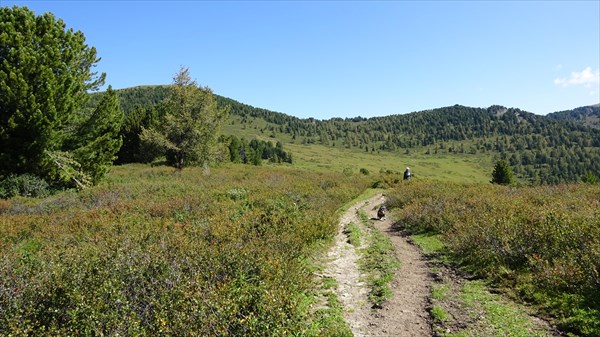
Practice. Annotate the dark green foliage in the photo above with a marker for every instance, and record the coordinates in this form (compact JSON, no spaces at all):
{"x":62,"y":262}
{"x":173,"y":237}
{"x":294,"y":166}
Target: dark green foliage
{"x":45,"y":74}
{"x":132,"y":150}
{"x":97,"y":141}
{"x":25,"y":185}
{"x":131,"y":99}
{"x":585,"y":115}
{"x":502,"y":174}
{"x":143,"y":109}
{"x":255,"y":151}
{"x":590,"y":178}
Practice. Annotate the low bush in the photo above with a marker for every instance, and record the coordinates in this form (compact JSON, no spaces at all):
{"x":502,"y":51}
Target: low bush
{"x":25,"y":185}
{"x":154,"y":252}
{"x":543,"y":242}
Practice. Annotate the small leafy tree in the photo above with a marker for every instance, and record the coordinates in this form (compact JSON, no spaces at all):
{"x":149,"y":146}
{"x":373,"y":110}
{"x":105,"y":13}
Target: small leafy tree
{"x":189,"y":128}
{"x":502,"y":174}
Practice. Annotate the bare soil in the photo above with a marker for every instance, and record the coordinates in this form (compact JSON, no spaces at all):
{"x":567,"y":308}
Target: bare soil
{"x":406,"y":312}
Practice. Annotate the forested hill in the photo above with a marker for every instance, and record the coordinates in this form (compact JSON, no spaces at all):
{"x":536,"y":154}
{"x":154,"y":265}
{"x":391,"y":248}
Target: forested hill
{"x":585,"y":115}
{"x":541,"y":149}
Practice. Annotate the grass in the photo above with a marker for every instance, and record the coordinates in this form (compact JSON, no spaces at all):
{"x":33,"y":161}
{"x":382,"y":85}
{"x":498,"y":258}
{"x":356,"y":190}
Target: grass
{"x":443,"y":167}
{"x":439,"y":292}
{"x":330,"y":319}
{"x":439,"y":314}
{"x":151,"y":246}
{"x":430,"y":243}
{"x":501,"y":318}
{"x":353,"y":233}
{"x":453,"y":167}
{"x":378,"y":262}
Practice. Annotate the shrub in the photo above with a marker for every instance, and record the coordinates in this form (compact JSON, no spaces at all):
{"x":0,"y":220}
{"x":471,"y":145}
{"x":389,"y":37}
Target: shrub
{"x":25,"y":185}
{"x":543,"y":241}
{"x":152,"y":253}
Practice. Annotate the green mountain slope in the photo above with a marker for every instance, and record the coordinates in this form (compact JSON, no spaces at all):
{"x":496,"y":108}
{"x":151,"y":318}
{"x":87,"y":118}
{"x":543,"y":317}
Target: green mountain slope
{"x":585,"y":115}
{"x":540,"y":149}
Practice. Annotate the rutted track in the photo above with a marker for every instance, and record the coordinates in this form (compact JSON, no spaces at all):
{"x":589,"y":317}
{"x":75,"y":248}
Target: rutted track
{"x":405,"y":314}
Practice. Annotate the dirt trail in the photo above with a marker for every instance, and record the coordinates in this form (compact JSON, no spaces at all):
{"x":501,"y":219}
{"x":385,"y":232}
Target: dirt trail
{"x":405,"y":314}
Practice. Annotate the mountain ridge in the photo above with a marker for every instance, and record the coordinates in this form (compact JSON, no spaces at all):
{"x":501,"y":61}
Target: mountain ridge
{"x":163,"y":88}
{"x":586,"y":115}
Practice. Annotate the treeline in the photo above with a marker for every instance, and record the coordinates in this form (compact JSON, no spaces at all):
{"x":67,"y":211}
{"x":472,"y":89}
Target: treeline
{"x":136,"y":97}
{"x":540,"y":150}
{"x":255,"y":151}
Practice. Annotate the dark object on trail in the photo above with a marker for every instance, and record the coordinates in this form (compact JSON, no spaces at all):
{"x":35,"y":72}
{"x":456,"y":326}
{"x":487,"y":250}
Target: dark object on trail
{"x":381,"y":212}
{"x":407,"y":173}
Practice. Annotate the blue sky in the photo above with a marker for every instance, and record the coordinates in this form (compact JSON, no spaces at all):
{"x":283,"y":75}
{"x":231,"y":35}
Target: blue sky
{"x":327,"y":59}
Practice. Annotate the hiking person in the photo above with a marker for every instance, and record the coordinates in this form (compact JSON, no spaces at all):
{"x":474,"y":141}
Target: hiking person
{"x":407,"y":173}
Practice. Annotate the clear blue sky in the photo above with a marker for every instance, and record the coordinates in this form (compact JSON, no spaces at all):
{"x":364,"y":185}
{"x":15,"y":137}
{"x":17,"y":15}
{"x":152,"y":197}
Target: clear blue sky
{"x":347,"y":59}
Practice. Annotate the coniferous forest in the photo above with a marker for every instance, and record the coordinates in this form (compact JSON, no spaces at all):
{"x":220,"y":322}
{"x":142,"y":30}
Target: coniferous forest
{"x":560,"y":147}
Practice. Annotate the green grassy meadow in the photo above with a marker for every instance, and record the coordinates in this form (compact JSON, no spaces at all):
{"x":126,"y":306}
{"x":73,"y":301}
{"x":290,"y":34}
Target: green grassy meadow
{"x":454,"y":167}
{"x":446,"y":167}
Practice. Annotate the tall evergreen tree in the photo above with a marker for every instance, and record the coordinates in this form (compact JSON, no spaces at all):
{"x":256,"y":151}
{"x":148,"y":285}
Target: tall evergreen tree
{"x":97,"y":141}
{"x":45,"y":75}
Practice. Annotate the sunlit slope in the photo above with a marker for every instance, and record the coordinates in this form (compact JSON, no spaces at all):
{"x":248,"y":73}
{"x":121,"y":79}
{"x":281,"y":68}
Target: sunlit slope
{"x":450,"y":167}
{"x":454,"y":167}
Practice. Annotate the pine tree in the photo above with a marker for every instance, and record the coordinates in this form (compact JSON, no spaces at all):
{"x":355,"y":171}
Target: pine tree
{"x":45,"y":76}
{"x":502,"y":173}
{"x":97,"y":140}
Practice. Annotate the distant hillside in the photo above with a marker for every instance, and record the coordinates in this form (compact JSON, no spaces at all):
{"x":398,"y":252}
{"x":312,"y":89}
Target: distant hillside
{"x":143,"y":96}
{"x":585,"y":115}
{"x":540,"y":149}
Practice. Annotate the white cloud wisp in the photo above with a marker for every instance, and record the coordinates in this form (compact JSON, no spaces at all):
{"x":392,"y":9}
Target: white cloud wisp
{"x":586,"y":78}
